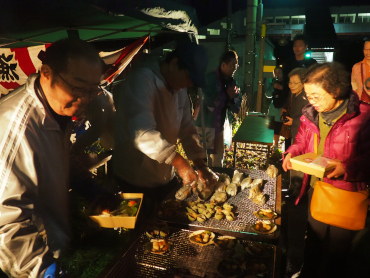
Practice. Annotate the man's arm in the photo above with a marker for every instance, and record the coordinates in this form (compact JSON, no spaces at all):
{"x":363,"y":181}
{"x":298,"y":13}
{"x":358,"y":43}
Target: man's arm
{"x":190,"y":141}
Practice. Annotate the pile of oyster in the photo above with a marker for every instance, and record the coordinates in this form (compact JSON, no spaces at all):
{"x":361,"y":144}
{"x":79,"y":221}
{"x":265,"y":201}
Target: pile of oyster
{"x":201,"y":212}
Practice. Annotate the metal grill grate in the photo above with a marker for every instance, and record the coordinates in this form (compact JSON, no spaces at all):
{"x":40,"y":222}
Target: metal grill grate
{"x":184,"y":259}
{"x":243,"y":208}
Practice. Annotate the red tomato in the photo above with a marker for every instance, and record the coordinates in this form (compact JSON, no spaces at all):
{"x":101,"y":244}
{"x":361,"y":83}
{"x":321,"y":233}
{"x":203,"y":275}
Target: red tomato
{"x":131,"y":203}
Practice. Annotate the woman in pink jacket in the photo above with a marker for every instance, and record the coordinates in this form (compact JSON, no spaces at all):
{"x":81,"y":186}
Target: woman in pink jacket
{"x":342,"y":125}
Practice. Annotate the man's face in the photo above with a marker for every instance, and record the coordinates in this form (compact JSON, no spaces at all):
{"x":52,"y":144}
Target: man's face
{"x":299,"y":47}
{"x":71,"y":91}
{"x":179,"y":78}
{"x":367,"y":50}
{"x":278,"y":74}
{"x":228,"y":69}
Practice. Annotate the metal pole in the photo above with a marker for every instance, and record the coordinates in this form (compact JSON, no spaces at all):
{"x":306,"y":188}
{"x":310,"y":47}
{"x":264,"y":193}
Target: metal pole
{"x":249,"y":47}
{"x":201,"y":114}
{"x":228,"y":31}
{"x":260,"y":68}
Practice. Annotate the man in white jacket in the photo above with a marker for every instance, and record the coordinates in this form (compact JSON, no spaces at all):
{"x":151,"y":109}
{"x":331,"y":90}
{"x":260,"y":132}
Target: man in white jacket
{"x":153,"y":112}
{"x":34,"y":163}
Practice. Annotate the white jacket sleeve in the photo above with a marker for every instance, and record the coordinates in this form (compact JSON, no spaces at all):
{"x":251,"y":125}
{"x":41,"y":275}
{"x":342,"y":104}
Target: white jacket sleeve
{"x":137,"y":104}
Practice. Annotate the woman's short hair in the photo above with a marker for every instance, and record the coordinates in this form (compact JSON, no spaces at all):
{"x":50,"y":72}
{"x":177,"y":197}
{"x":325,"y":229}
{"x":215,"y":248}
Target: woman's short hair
{"x":227,"y":56}
{"x":330,"y":77}
{"x":298,"y":71}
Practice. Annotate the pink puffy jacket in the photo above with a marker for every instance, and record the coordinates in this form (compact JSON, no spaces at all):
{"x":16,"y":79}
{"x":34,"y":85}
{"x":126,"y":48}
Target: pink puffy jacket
{"x":347,"y":141}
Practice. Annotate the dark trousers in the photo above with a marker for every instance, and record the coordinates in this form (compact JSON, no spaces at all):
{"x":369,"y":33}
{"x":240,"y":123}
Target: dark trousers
{"x":327,"y":248}
{"x":295,"y":234}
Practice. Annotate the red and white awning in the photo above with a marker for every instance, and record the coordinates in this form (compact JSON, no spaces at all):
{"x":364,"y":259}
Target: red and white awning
{"x":16,"y":64}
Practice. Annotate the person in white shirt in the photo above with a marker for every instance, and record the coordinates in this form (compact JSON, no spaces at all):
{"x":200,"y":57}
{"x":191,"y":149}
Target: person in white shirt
{"x":153,"y":112}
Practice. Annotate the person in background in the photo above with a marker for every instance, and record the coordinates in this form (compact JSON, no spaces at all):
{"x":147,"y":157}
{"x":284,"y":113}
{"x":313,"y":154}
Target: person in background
{"x":35,"y":170}
{"x":299,"y":60}
{"x":153,"y":112}
{"x":221,"y":96}
{"x":297,"y":214}
{"x":279,"y":99}
{"x":297,"y":101}
{"x":342,"y":126}
{"x":361,"y":72}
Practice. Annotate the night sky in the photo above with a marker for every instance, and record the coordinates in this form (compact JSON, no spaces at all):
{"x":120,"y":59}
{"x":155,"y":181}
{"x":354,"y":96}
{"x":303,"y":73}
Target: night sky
{"x":209,"y":11}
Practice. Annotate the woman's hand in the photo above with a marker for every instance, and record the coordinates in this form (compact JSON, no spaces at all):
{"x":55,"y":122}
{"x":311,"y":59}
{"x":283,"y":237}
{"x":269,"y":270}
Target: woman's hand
{"x":290,"y":122}
{"x":338,"y":171}
{"x":287,"y":165}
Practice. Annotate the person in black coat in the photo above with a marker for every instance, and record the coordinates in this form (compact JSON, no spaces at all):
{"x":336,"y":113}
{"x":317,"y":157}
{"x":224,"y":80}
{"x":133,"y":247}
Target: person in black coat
{"x":299,"y":60}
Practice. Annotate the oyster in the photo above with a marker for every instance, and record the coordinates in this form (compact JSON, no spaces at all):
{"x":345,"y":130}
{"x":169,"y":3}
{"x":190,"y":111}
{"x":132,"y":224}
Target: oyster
{"x":224,"y":178}
{"x":247,"y":182}
{"x":202,"y":191}
{"x":190,"y":210}
{"x":202,"y":210}
{"x":193,"y":205}
{"x":202,"y":237}
{"x":155,"y":234}
{"x":265,"y":214}
{"x":228,"y":206}
{"x":238,"y":177}
{"x":205,"y":194}
{"x":219,"y":215}
{"x":192,"y":215}
{"x":230,"y":217}
{"x":264,"y":226}
{"x":157,"y":246}
{"x":259,"y":199}
{"x":201,"y":218}
{"x":219,"y":197}
{"x":200,"y":205}
{"x":210,"y":206}
{"x":220,"y":186}
{"x":272,"y":171}
{"x":225,"y":242}
{"x":232,"y":189}
{"x":257,"y":182}
{"x":254,"y":191}
{"x":227,"y":212}
{"x":183,"y":193}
